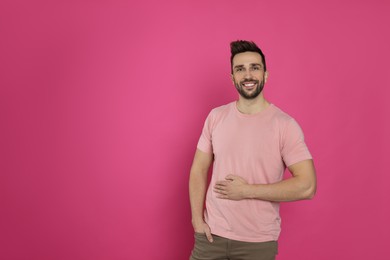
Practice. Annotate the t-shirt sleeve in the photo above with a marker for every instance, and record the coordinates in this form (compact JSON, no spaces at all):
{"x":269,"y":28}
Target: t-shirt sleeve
{"x":205,"y":141}
{"x":294,"y":148}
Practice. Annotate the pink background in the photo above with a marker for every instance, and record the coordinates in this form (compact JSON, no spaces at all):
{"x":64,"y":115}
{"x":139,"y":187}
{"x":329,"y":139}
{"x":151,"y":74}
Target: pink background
{"x":102,"y":103}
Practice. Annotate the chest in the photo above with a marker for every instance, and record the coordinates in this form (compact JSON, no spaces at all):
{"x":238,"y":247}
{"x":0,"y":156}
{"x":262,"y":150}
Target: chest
{"x":251,"y":139}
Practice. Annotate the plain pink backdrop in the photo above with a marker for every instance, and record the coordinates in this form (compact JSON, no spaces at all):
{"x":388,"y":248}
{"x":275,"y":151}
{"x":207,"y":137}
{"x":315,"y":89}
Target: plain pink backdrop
{"x":102,"y":104}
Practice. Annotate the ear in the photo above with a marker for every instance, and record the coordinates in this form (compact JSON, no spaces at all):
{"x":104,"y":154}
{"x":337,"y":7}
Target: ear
{"x":265,"y":76}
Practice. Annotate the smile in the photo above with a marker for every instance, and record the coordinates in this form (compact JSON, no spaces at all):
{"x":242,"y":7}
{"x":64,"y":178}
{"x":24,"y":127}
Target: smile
{"x":249,"y":84}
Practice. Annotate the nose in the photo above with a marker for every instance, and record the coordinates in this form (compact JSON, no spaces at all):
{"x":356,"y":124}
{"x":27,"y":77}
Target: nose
{"x":248,"y":74}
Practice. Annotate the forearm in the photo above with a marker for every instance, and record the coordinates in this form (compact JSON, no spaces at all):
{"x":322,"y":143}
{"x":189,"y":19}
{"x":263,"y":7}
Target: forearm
{"x":197,"y":188}
{"x":294,"y":188}
{"x":301,"y":186}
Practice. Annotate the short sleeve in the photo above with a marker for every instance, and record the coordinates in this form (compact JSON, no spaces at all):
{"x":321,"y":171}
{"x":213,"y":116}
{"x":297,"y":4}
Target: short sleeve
{"x":205,"y":142}
{"x":294,"y":148}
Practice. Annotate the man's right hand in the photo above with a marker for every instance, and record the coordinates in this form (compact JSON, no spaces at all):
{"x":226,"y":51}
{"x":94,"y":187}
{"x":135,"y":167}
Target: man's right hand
{"x":203,"y":228}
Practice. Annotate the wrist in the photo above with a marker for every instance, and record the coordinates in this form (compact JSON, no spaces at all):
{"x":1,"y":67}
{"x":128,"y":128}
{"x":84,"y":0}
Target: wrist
{"x":197,"y":221}
{"x":248,"y":192}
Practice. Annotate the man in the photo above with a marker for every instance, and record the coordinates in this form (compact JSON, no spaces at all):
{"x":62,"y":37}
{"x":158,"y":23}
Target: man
{"x":250,"y":142}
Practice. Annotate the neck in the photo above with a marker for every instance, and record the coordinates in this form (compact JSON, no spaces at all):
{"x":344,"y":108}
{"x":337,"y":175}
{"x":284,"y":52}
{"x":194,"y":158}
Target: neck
{"x":252,"y":106}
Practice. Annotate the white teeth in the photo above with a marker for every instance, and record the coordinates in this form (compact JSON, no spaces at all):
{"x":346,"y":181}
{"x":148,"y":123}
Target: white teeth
{"x":249,"y":85}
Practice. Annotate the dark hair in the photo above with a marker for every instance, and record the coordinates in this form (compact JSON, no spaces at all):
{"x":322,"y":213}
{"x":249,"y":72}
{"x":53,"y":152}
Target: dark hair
{"x":240,"y":46}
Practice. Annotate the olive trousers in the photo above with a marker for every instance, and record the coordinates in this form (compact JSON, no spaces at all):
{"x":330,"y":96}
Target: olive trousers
{"x":226,"y":249}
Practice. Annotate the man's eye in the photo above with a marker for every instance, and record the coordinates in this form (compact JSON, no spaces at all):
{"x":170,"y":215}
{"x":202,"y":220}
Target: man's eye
{"x":256,"y":68}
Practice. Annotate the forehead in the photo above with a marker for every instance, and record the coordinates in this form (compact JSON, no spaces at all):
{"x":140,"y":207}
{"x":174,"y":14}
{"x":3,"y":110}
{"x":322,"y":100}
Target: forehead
{"x":246,"y":58}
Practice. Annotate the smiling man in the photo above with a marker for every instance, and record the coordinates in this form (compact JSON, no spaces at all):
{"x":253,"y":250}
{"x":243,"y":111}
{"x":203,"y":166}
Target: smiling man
{"x":250,"y":143}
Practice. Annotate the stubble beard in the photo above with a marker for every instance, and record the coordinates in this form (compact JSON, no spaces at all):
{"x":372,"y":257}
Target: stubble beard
{"x":253,"y":95}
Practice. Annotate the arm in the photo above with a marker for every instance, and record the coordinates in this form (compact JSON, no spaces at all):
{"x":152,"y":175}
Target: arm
{"x":302,"y":185}
{"x":198,"y":187}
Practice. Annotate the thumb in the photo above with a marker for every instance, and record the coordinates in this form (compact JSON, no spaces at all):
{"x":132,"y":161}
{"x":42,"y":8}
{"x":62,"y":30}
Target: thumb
{"x":208,"y":235}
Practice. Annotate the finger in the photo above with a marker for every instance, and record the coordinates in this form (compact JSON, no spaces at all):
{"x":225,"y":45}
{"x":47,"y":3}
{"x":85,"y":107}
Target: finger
{"x":219,"y":187}
{"x":230,"y":177}
{"x":209,"y":236}
{"x":220,"y":191}
{"x":221,"y":183}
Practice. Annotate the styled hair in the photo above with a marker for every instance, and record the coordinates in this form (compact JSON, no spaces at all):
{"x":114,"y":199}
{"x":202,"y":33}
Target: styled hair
{"x":240,"y":46}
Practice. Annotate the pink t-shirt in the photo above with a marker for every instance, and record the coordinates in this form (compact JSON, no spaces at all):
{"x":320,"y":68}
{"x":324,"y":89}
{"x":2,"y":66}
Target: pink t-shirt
{"x":258,"y":148}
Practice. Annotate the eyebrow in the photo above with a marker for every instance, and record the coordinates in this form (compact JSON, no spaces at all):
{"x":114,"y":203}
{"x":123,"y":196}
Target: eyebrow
{"x":252,"y":64}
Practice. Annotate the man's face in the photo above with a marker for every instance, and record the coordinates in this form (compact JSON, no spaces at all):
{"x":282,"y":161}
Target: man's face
{"x":248,"y":74}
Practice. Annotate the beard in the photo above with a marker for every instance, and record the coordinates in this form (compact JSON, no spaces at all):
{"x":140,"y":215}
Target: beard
{"x":247,"y":95}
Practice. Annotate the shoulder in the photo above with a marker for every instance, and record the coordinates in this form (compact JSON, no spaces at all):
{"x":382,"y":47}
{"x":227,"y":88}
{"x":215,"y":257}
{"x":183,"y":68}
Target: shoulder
{"x":221,"y":111}
{"x":281,"y":116}
{"x":288,"y":126}
{"x":217,"y":114}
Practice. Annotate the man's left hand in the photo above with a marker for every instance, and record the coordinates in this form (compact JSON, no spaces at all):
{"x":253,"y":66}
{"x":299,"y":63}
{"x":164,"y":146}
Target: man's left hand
{"x":233,"y":188}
